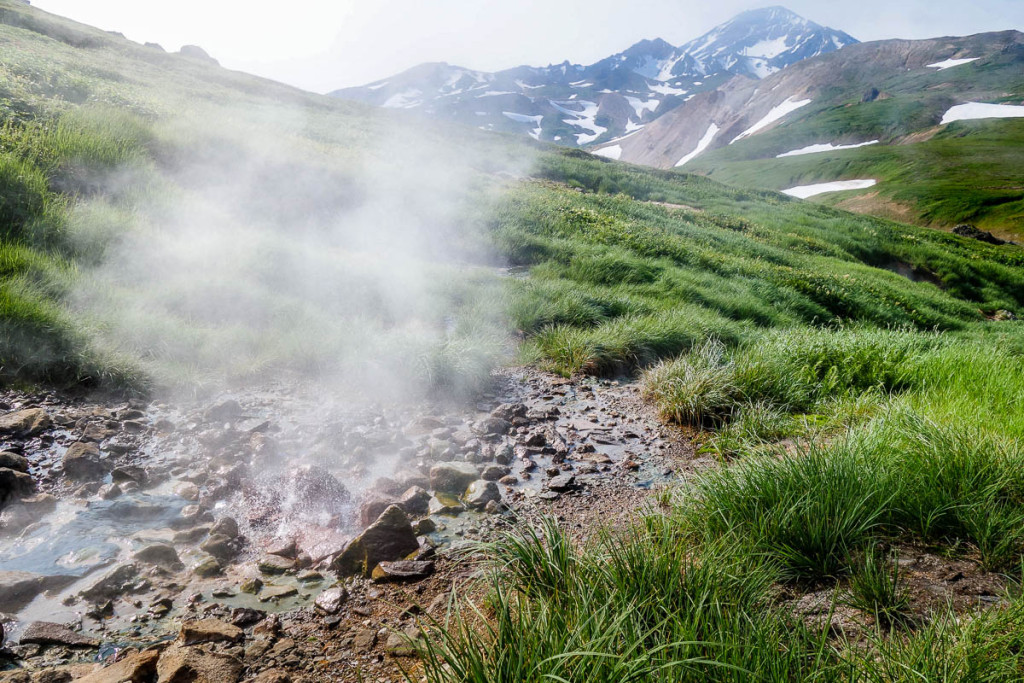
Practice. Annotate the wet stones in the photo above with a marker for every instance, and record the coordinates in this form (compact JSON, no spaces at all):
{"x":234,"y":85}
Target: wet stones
{"x":415,"y":501}
{"x":494,"y":472}
{"x":223,"y":411}
{"x":402,"y":570}
{"x":330,"y":601}
{"x":207,"y":567}
{"x":13,"y":461}
{"x":562,"y":482}
{"x":372,"y":508}
{"x":137,"y":666}
{"x":210,"y":631}
{"x":49,"y":633}
{"x":118,"y":581}
{"x":25,"y":423}
{"x":445,"y":504}
{"x":184,"y":663}
{"x":14,"y":484}
{"x":390,"y":537}
{"x":162,"y":555}
{"x":492,"y":426}
{"x":17,"y":589}
{"x":480,"y":493}
{"x":275,"y":564}
{"x":452,"y":477}
{"x":315,"y":486}
{"x":82,"y":462}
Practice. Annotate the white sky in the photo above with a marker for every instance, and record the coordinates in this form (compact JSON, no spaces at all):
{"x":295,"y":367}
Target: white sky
{"x":326,"y":44}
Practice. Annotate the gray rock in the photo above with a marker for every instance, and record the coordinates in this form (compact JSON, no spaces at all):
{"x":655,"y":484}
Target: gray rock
{"x":25,"y":423}
{"x":480,"y":493}
{"x":372,"y":508}
{"x":331,"y":600}
{"x":116,"y":582}
{"x":402,"y":570}
{"x":225,"y":526}
{"x":492,"y":426}
{"x":17,"y":589}
{"x":162,"y":555}
{"x":494,"y":472}
{"x":14,"y":484}
{"x":443,"y":504}
{"x":389,"y":538}
{"x":82,"y":462}
{"x":49,"y":633}
{"x":415,"y":501}
{"x":13,"y":461}
{"x":562,"y":482}
{"x":223,"y":411}
{"x":315,"y":486}
{"x":452,"y":477}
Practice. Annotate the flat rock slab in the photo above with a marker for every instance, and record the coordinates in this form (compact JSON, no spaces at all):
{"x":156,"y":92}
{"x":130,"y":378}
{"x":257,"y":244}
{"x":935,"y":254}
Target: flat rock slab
{"x":402,"y":570}
{"x":562,"y":482}
{"x":49,"y":633}
{"x":29,"y":422}
{"x":210,"y":631}
{"x":139,"y":666}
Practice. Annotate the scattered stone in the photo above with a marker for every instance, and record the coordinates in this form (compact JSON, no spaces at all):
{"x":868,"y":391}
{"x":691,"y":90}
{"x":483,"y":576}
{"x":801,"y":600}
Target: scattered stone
{"x":129,"y":473}
{"x":25,"y":423}
{"x":492,"y":426}
{"x":315,"y":486}
{"x":207,"y":567}
{"x":452,"y":477}
{"x":424,"y":526}
{"x":110,"y":492}
{"x":494,"y":472}
{"x":415,"y":501}
{"x":389,"y":538}
{"x":246,"y":616}
{"x":442,"y":504}
{"x":82,"y":462}
{"x":273,"y":565}
{"x":116,"y":582}
{"x":331,"y":600}
{"x":225,"y":526}
{"x":271,"y":593}
{"x":309,"y":576}
{"x":364,"y":639}
{"x":480,"y":493}
{"x":162,"y":555}
{"x":562,"y":482}
{"x":49,"y":633}
{"x":187,"y":490}
{"x":404,"y":643}
{"x":402,"y":570}
{"x":223,"y":411}
{"x":136,"y":667}
{"x":974,"y":233}
{"x":251,"y":586}
{"x":14,"y":484}
{"x":221,"y":547}
{"x":286,"y":549}
{"x":210,"y":631}
{"x":371,"y":508}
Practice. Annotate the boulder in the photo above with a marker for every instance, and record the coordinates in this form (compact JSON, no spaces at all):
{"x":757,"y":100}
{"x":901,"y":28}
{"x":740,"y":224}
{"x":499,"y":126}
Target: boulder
{"x":330,"y":601}
{"x":452,"y":477}
{"x":402,"y":570}
{"x":197,"y":665}
{"x":492,"y":426}
{"x":225,"y":526}
{"x":480,"y":493}
{"x":13,"y":461}
{"x":443,"y":504}
{"x":415,"y":501}
{"x":222,"y":411}
{"x":315,"y":486}
{"x":49,"y":633}
{"x":162,"y":555}
{"x":82,"y":462}
{"x":25,"y":423}
{"x":389,"y":538}
{"x":371,"y":508}
{"x":210,"y":631}
{"x":14,"y":484}
{"x":221,"y":547}
{"x":562,"y":482}
{"x":975,"y":234}
{"x":135,"y":668}
{"x":275,"y":564}
{"x":495,"y":472}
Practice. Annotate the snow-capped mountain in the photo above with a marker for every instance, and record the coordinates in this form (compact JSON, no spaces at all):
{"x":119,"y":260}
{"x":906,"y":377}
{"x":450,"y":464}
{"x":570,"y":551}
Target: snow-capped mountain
{"x":573,"y":104}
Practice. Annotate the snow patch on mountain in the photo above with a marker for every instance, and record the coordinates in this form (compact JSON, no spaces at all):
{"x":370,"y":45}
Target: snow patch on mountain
{"x":701,"y":146}
{"x":827,"y":147}
{"x":981,"y":110}
{"x":950,"y":63}
{"x":777,"y":113}
{"x":805,"y":191}
{"x":613,"y":152}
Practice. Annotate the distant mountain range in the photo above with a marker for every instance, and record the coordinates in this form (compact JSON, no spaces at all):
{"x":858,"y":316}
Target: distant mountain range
{"x":576,"y":105}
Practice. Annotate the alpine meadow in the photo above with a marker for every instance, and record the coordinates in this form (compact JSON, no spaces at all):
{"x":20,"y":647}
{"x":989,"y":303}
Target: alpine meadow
{"x":419,"y":381}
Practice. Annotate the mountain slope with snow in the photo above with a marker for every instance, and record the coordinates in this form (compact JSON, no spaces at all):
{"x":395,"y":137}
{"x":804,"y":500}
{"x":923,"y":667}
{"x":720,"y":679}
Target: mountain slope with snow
{"x":612,"y":98}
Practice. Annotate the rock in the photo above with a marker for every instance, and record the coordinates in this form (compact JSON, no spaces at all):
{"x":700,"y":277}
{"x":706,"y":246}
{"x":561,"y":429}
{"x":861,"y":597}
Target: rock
{"x":424,"y":526}
{"x":17,"y":589}
{"x":442,"y":504}
{"x":509,"y":411}
{"x":116,"y":582}
{"x":273,"y":593}
{"x":221,"y":547}
{"x":975,"y":234}
{"x":251,"y":586}
{"x":110,"y":492}
{"x":372,"y":508}
{"x":210,"y":631}
{"x":288,"y":549}
{"x":14,"y":461}
{"x":179,"y":663}
{"x":509,"y":480}
{"x":390,"y":537}
{"x":137,"y":667}
{"x":274,"y":564}
{"x":404,"y":643}
{"x":25,"y":423}
{"x":480,"y":493}
{"x":494,"y":472}
{"x":273,"y":676}
{"x":452,"y":477}
{"x":14,"y":484}
{"x":415,"y":501}
{"x":162,"y":555}
{"x":331,"y":600}
{"x":82,"y":462}
{"x":402,"y":570}
{"x":129,"y":473}
{"x":207,"y":567}
{"x":223,"y":411}
{"x":225,"y":526}
{"x":49,"y":633}
{"x":187,"y":490}
{"x":492,"y":426}
{"x":246,"y":616}
{"x":562,"y":482}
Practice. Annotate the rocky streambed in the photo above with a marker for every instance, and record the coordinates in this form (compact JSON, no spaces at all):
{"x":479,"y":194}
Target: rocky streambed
{"x":274,"y":534}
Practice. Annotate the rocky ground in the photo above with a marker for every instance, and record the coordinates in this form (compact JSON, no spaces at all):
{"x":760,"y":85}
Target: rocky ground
{"x":274,"y":535}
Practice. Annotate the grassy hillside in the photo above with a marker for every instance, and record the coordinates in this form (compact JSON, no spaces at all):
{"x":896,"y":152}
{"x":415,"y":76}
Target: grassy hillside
{"x":964,"y":172}
{"x":857,"y":379}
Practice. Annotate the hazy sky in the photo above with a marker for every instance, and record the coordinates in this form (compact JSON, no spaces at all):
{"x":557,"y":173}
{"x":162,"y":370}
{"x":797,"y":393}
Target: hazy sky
{"x":325,"y":44}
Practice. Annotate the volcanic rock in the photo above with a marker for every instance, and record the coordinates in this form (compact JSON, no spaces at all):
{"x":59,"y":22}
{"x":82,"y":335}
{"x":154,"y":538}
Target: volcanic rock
{"x":197,"y":665}
{"x":452,"y":477}
{"x":138,"y":666}
{"x":315,"y":486}
{"x":14,"y":484}
{"x":976,"y":234}
{"x":49,"y":633}
{"x":25,"y":423}
{"x":494,"y":472}
{"x":210,"y":631}
{"x":82,"y":462}
{"x":389,"y":538}
{"x":371,"y":508}
{"x":402,"y":570}
{"x":14,"y":461}
{"x":492,"y":426}
{"x":331,"y":600}
{"x":162,"y":555}
{"x":115,"y":582}
{"x":415,"y":501}
{"x":562,"y":482}
{"x":480,"y":493}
